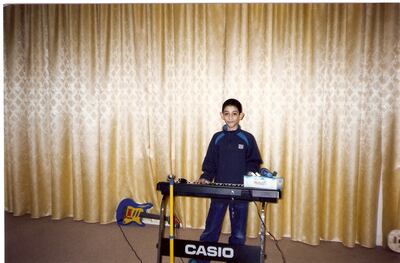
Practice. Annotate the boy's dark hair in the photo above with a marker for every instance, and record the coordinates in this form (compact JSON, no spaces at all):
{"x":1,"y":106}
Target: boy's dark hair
{"x":232,"y":102}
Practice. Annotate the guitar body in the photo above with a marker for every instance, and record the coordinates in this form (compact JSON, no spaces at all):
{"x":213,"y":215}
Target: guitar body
{"x":129,"y":211}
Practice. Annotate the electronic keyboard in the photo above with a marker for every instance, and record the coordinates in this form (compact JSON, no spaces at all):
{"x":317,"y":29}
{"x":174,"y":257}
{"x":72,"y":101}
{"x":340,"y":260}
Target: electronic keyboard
{"x":220,"y":190}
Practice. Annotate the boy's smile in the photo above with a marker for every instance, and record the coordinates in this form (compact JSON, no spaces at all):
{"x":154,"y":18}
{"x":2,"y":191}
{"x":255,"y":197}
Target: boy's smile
{"x":232,"y":117}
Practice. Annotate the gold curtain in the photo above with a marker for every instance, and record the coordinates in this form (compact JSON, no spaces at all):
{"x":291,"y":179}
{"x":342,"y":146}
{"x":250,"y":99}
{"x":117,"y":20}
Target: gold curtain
{"x":103,"y":101}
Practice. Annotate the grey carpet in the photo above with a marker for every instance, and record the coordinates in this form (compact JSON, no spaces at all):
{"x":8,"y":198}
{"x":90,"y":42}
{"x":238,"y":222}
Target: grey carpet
{"x":60,"y":241}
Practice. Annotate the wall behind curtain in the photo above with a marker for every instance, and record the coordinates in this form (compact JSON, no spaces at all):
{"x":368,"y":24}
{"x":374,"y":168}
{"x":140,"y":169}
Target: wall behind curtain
{"x":104,"y":101}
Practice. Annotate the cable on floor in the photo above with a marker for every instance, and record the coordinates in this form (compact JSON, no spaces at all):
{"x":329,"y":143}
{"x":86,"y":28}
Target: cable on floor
{"x":129,"y":243}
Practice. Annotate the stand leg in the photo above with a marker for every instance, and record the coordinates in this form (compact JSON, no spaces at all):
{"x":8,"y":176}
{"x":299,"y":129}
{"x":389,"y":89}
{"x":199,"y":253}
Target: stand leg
{"x":262,"y":233}
{"x":161,"y":227}
{"x":171,"y":221}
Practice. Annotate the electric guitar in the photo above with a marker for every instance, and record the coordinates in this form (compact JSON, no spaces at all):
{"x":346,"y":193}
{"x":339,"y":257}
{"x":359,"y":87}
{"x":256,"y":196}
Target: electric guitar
{"x":129,"y":211}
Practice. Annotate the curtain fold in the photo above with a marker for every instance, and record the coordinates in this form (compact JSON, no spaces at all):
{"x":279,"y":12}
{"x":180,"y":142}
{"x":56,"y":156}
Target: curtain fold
{"x":101,"y":102}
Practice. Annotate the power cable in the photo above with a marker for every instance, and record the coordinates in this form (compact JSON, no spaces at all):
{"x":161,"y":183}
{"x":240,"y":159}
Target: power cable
{"x":129,"y":243}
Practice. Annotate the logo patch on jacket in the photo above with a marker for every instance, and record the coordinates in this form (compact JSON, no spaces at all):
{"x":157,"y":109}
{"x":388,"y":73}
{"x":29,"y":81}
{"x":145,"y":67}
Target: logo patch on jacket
{"x":240,"y":146}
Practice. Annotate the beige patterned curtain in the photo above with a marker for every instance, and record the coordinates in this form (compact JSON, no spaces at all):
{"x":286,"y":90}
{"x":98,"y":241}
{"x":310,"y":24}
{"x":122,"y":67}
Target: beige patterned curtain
{"x":104,"y":101}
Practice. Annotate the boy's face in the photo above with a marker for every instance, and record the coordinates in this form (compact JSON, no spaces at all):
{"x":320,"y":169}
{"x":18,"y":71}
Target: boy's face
{"x":232,"y":117}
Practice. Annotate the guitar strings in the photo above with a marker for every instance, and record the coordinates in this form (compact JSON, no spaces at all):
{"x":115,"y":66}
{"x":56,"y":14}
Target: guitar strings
{"x":270,"y":234}
{"x":129,"y":243}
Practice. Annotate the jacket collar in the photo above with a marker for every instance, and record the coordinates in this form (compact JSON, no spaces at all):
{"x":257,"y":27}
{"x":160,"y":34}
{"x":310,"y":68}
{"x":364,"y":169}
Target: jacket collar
{"x":225,"y":129}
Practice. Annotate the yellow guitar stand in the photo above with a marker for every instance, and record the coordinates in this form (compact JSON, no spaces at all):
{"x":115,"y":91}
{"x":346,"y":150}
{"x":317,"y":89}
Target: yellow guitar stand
{"x":171,"y":215}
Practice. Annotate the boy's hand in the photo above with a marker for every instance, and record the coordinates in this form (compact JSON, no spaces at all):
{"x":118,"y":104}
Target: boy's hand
{"x":203,"y":181}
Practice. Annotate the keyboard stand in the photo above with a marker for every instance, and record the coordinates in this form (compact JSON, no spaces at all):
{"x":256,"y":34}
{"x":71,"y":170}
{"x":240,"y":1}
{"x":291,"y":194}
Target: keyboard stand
{"x":262,"y":233}
{"x":262,"y":255}
{"x":161,"y":227}
{"x":206,"y":250}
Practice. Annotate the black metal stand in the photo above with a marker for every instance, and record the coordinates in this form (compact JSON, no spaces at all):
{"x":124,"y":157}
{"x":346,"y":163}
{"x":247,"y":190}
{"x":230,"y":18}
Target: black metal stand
{"x":161,"y":227}
{"x":162,"y":240}
{"x":262,"y":233}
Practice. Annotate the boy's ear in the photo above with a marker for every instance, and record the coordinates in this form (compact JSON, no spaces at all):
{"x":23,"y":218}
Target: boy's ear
{"x":222,"y":115}
{"x":241,"y":116}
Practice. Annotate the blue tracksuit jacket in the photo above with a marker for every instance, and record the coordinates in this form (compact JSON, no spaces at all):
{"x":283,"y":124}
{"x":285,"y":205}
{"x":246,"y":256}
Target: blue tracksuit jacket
{"x":230,"y":155}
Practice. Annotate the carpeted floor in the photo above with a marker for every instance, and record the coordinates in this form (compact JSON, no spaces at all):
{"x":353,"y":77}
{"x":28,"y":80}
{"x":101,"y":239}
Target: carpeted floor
{"x":59,"y":241}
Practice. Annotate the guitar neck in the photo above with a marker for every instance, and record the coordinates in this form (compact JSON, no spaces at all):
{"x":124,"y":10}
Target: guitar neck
{"x":149,"y":216}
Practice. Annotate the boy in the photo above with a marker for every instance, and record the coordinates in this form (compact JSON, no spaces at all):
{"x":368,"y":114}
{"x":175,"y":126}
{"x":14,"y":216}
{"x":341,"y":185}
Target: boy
{"x":231,"y":154}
